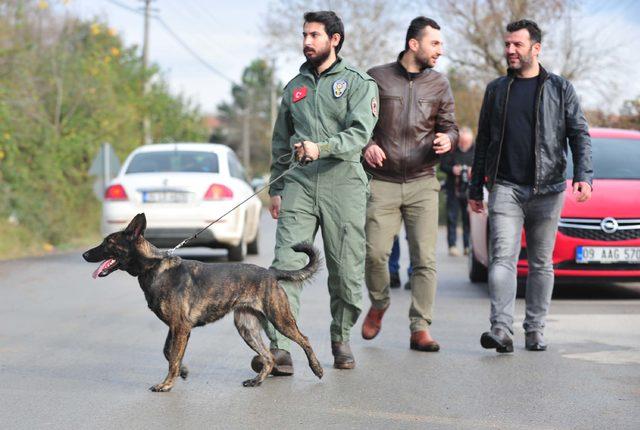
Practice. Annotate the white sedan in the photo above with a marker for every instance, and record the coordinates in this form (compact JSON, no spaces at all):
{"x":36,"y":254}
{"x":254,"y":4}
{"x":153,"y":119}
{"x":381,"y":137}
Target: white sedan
{"x":182,"y":187}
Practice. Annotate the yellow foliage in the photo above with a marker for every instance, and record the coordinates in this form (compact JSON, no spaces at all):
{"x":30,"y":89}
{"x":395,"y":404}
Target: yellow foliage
{"x":42,"y":5}
{"x":95,"y":29}
{"x":115,"y":51}
{"x":112,"y":31}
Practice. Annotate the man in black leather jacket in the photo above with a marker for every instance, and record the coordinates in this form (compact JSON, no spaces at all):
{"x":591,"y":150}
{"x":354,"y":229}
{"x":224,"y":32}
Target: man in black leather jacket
{"x":526,"y":120}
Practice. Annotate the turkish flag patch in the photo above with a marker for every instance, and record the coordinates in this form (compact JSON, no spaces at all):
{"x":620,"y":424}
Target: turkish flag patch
{"x":299,"y":94}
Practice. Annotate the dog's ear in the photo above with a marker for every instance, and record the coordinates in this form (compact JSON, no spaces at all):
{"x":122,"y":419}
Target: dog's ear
{"x":137,"y":226}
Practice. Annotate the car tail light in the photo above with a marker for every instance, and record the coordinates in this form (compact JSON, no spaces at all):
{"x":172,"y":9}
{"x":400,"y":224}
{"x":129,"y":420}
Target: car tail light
{"x":218,"y":192}
{"x":115,"y":192}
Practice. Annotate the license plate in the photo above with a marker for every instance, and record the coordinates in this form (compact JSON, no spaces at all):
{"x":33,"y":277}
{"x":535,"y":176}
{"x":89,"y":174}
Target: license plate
{"x":607,"y":254}
{"x":164,"y":197}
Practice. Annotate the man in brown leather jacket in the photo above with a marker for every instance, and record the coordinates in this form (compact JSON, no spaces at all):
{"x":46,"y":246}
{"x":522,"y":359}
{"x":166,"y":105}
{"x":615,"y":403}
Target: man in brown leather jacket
{"x":416,"y":125}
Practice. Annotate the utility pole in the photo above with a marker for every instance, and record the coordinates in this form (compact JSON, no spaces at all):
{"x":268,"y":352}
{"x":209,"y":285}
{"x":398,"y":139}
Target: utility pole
{"x":146,"y":122}
{"x":272,"y":95}
{"x":246,"y":129}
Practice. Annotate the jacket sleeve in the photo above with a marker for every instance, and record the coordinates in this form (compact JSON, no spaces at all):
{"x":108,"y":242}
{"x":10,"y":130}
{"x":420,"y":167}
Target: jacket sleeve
{"x":360,"y":121}
{"x":280,"y":146}
{"x":482,"y":143}
{"x":577,"y":131}
{"x":446,"y":118}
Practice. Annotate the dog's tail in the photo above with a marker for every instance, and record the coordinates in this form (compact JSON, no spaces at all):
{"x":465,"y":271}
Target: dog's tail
{"x":307,"y":271}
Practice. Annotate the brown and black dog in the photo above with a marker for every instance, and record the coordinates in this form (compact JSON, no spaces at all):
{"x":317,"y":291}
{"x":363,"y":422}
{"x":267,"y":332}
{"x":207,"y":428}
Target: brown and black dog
{"x":186,"y":294}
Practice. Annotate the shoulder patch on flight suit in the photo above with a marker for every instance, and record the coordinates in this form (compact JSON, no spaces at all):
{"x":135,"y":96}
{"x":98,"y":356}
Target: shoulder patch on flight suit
{"x":374,"y":107}
{"x":298,"y":94}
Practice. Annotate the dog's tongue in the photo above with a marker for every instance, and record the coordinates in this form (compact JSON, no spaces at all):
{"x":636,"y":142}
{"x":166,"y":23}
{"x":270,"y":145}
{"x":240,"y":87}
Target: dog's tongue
{"x":103,"y":265}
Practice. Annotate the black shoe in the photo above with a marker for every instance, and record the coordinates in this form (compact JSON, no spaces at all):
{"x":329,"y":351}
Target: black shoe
{"x":342,"y":355}
{"x":407,"y":285}
{"x":534,"y":341}
{"x":394,"y":280}
{"x":497,"y":339}
{"x":282,"y":367}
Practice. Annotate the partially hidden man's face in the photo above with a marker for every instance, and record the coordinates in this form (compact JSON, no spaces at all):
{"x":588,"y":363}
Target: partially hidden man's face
{"x":316,"y":44}
{"x":519,"y":50}
{"x":429,"y":47}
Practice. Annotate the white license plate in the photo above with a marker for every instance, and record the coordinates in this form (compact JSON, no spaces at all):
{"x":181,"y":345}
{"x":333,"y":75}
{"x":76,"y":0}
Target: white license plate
{"x":607,"y":254}
{"x":164,"y":197}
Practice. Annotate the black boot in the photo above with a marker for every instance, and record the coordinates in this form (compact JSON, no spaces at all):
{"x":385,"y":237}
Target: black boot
{"x":497,"y":339}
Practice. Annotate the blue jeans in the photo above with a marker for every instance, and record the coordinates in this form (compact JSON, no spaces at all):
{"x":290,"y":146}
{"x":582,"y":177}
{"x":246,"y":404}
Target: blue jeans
{"x":511,"y":207}
{"x":394,"y":258}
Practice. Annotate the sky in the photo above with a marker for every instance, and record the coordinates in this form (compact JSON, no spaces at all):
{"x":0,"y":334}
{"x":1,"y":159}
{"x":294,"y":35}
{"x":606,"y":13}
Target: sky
{"x":227,"y":36}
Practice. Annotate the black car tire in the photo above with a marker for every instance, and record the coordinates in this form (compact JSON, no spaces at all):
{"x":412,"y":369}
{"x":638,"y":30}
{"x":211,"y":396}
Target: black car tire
{"x":477,"y":272}
{"x":238,"y":253}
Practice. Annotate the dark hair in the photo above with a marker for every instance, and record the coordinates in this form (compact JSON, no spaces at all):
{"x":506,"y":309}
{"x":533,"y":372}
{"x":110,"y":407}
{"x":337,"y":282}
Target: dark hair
{"x":415,"y":28}
{"x":332,"y":23}
{"x":534,"y":31}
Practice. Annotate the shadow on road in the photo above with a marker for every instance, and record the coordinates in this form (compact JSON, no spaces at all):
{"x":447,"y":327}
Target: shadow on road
{"x":589,"y":291}
{"x":611,"y":291}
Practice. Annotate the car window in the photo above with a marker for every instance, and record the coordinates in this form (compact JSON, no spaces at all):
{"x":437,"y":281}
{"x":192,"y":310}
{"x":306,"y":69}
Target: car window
{"x":235,"y":168}
{"x":612,"y":159}
{"x":174,"y":161}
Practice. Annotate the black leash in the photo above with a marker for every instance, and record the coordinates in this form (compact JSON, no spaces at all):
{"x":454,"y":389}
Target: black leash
{"x":303,"y":161}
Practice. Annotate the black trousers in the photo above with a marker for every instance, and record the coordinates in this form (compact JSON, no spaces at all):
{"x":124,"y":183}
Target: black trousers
{"x":457,"y":205}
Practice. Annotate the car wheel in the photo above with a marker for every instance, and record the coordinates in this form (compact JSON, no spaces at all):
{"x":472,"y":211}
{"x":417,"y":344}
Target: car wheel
{"x":477,"y":272}
{"x":239,"y":252}
{"x":252,"y":247}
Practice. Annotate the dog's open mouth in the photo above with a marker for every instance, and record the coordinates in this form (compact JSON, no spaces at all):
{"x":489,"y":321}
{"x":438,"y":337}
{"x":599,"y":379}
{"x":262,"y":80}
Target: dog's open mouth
{"x":105,"y":268}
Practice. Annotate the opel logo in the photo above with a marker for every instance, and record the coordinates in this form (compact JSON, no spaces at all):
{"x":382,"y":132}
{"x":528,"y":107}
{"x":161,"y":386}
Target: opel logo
{"x":609,"y":225}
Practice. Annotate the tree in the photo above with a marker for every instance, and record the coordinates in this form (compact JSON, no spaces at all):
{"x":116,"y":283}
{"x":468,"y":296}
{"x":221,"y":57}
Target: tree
{"x":251,"y":108}
{"x":374,"y":29}
{"x":66,"y":86}
{"x":475,"y":30}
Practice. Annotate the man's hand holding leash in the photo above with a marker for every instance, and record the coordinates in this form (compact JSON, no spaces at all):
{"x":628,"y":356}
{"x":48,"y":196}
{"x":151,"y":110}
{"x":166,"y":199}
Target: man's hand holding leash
{"x":306,"y":151}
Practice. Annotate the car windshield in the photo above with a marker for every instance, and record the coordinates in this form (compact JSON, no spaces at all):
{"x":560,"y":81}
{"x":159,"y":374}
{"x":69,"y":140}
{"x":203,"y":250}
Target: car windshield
{"x":612,"y":159}
{"x":174,"y":161}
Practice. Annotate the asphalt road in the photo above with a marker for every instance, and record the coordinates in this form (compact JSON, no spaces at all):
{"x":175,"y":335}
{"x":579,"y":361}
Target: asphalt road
{"x":81,"y":353}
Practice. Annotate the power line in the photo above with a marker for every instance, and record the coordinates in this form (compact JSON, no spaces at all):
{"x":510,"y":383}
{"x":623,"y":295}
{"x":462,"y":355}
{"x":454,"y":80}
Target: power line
{"x":178,"y":39}
{"x":192,"y":52}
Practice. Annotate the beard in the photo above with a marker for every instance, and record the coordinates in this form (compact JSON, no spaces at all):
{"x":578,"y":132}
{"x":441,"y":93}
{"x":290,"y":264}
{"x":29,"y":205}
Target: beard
{"x":316,"y":58}
{"x":424,"y":62}
{"x":524,"y":61}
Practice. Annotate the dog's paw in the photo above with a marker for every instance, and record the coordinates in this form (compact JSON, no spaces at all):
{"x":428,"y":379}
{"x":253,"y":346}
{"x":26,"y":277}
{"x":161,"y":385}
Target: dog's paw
{"x":318,"y":371}
{"x":184,"y":372}
{"x":251,"y":382}
{"x":161,"y":388}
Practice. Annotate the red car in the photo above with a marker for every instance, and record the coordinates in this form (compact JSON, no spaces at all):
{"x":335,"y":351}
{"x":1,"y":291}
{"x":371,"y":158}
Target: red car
{"x":596,"y":240}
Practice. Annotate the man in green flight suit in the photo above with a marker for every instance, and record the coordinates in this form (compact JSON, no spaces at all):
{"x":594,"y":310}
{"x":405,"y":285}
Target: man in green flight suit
{"x":327,"y":114}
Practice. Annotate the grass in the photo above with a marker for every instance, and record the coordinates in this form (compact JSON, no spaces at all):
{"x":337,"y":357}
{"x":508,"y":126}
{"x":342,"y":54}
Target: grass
{"x":17,"y":241}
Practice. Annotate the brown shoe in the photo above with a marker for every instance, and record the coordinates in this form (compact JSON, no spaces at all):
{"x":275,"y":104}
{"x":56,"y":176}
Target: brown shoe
{"x":422,"y":341}
{"x":373,"y":322}
{"x":342,"y":355}
{"x":282,"y":367}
